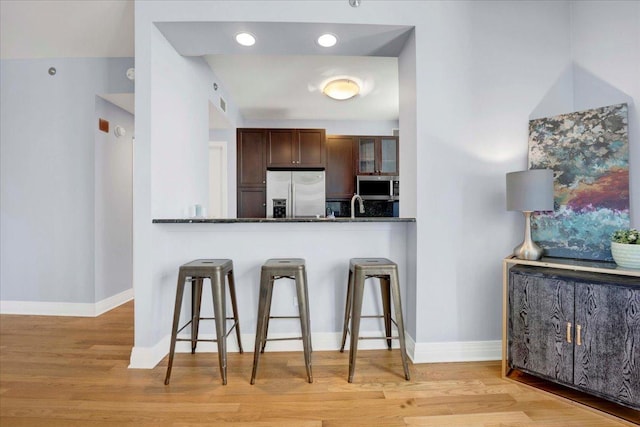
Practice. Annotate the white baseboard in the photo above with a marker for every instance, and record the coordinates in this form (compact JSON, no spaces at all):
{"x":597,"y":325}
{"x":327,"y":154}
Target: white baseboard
{"x":74,"y":309}
{"x":149,"y":357}
{"x":464,"y":351}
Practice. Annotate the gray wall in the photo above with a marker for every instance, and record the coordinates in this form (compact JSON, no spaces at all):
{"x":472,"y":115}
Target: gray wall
{"x":113,"y":202}
{"x":47,"y":175}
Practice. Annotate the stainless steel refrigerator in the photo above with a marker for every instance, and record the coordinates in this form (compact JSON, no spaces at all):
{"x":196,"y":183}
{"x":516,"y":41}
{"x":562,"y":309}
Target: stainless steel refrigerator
{"x":297,"y":193}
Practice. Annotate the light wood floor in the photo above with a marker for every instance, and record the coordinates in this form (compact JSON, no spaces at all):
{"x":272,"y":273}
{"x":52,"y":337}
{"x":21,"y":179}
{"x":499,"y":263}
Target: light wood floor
{"x":60,"y":371}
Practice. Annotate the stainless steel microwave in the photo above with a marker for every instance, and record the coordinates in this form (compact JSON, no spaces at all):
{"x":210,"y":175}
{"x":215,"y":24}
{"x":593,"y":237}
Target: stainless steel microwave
{"x":378,"y":187}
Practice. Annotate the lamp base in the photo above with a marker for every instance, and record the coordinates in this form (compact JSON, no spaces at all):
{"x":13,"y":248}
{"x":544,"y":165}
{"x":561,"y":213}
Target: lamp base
{"x":528,"y":249}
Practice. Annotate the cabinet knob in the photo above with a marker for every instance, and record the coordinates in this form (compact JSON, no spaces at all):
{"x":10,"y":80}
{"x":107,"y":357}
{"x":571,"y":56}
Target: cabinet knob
{"x":264,"y":182}
{"x":264,"y":205}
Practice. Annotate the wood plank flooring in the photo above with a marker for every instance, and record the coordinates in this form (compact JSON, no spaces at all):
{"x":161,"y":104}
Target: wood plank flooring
{"x":63,"y":371}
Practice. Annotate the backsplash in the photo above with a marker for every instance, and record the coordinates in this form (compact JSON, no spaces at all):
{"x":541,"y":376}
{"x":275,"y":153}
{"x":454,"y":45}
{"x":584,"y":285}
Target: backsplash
{"x":372,"y":208}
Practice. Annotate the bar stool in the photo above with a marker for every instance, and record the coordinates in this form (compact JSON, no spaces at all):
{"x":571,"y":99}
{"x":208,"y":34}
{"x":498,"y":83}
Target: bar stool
{"x":361,"y":269}
{"x":272,"y":270}
{"x":196,"y":271}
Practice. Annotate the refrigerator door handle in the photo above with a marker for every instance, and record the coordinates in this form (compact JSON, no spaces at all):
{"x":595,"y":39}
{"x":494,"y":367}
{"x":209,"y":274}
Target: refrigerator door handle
{"x":293,"y":199}
{"x":289,"y":200}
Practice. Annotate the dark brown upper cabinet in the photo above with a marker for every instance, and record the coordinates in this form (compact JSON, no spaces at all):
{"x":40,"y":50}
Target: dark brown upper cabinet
{"x":296,"y":148}
{"x":378,"y":155}
{"x":251,"y":157}
{"x":341,"y":167}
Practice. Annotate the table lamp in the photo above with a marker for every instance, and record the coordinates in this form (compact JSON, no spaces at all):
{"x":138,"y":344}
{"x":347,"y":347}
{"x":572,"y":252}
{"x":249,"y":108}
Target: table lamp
{"x":529,"y":191}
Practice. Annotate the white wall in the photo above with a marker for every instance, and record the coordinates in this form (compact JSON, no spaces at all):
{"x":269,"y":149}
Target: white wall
{"x":113,"y":195}
{"x":47,"y":175}
{"x":179,"y":130}
{"x":605,"y":42}
{"x":482,"y":69}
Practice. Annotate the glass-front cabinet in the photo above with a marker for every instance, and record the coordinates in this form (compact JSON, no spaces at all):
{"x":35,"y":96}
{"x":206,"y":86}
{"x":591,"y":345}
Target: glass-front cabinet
{"x":378,"y":155}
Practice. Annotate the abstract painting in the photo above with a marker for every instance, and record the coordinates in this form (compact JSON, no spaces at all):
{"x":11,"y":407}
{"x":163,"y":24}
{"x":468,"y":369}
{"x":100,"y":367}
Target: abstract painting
{"x":589,"y":154}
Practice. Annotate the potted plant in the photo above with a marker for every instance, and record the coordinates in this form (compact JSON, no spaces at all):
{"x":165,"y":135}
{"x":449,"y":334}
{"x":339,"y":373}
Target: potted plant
{"x":625,"y":248}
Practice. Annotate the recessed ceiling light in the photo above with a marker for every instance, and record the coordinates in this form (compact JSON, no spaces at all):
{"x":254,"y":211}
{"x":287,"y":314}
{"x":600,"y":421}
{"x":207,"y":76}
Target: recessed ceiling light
{"x":245,"y":39}
{"x":327,"y":40}
{"x":341,"y":89}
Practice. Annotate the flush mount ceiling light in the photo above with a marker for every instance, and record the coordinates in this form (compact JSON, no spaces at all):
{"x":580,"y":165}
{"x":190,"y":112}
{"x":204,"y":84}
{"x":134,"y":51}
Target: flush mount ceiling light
{"x":327,"y":40}
{"x":245,"y":39}
{"x":341,"y":89}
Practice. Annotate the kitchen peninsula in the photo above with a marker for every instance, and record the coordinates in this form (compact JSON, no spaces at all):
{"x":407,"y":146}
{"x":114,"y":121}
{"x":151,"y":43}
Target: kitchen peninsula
{"x":325,"y":244}
{"x":277,"y":220}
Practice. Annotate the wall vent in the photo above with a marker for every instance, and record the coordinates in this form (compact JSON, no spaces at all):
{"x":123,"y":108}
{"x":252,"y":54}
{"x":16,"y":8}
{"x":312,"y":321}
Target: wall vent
{"x":223,"y":105}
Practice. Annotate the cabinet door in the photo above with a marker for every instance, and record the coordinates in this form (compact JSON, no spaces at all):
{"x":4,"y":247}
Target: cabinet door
{"x":367,"y":156}
{"x":280,"y":148}
{"x":388,"y":164}
{"x":251,"y":157}
{"x":252,"y":202}
{"x":607,"y":352}
{"x":340,"y":174}
{"x":310,"y":150}
{"x":540,"y":309}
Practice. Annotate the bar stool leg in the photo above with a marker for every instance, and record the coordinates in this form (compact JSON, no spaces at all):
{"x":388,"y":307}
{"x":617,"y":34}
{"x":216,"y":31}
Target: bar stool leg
{"x":265,"y":284}
{"x":395,"y":291}
{"x":386,"y":307}
{"x":347,"y":311}
{"x":196,"y":304}
{"x":303,"y":308}
{"x":356,"y":311}
{"x":176,"y":319}
{"x":267,"y":318}
{"x":219,"y":302}
{"x":234,"y":307}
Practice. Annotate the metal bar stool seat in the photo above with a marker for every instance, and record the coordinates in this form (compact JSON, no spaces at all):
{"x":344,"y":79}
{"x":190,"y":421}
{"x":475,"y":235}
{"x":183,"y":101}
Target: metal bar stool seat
{"x":216,"y":270}
{"x":272,"y":270}
{"x":386,"y":270}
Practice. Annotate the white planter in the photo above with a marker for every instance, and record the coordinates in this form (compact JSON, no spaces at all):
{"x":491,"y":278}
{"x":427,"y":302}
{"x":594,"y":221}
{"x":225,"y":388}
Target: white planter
{"x":626,"y":255}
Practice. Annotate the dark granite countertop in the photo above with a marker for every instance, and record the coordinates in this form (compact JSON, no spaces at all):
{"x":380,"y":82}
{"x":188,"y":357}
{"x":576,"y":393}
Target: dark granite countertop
{"x":275,"y":220}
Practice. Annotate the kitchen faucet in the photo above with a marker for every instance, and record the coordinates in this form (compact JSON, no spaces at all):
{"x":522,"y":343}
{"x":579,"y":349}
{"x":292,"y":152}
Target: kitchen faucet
{"x":353,"y":199}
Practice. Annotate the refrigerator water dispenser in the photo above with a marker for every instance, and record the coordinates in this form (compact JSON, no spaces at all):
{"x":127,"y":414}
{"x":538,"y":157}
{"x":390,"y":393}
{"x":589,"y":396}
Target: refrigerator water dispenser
{"x":279,"y":208}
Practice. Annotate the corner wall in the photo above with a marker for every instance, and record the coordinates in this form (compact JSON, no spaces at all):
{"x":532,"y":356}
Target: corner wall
{"x":47,"y":179}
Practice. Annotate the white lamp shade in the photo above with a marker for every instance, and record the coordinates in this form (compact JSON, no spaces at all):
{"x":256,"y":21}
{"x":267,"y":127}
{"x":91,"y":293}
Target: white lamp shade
{"x":530,"y":190}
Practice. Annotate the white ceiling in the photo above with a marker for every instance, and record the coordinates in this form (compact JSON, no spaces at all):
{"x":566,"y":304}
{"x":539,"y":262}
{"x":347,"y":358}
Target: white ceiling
{"x":278,"y":78}
{"x":66,"y":29}
{"x":270,"y":87}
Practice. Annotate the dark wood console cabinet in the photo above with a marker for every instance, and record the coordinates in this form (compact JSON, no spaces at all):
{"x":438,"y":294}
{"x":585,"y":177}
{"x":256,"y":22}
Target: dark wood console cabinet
{"x":578,"y":326}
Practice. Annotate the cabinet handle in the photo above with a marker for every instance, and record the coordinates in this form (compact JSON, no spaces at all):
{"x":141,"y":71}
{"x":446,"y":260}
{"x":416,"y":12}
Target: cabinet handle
{"x":578,"y":333}
{"x":569,"y":332}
